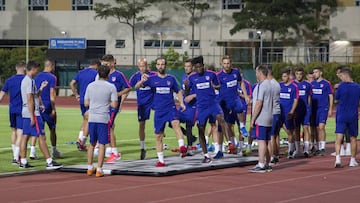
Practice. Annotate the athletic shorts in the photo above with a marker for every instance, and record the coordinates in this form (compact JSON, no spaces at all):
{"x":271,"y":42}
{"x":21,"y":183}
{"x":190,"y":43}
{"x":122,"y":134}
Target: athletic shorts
{"x":162,"y":117}
{"x":144,"y":111}
{"x":33,"y":130}
{"x":16,"y":120}
{"x":276,"y":125}
{"x":261,"y":132}
{"x":83,"y":109}
{"x":351,"y":127}
{"x":99,"y":132}
{"x":112,"y":113}
{"x":210,"y":113}
{"x":302,"y":117}
{"x":188,"y":116}
{"x":321,"y":116}
{"x":46,"y":116}
{"x":289,"y":123}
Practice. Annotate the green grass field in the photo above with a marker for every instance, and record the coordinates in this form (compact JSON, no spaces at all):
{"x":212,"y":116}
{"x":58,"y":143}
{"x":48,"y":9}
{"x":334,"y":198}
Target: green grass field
{"x":69,"y":120}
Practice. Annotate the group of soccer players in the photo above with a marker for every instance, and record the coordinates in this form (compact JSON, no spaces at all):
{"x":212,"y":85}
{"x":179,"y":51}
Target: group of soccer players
{"x":220,"y":98}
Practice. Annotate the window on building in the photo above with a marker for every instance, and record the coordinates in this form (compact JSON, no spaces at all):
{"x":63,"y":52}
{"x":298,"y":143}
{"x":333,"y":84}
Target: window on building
{"x":233,"y":4}
{"x":195,"y":44}
{"x":120,"y":43}
{"x":38,"y":5}
{"x":2,"y":5}
{"x":82,"y":4}
{"x":165,"y":43}
{"x":357,"y":2}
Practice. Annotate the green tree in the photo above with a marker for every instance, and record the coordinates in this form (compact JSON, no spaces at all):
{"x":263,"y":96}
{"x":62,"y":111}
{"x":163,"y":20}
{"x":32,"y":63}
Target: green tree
{"x":128,"y":12}
{"x":195,"y":8}
{"x":174,"y":60}
{"x":290,"y":20}
{"x":9,"y":58}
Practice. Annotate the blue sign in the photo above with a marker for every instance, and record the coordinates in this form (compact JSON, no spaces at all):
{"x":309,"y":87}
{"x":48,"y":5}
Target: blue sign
{"x":67,"y":43}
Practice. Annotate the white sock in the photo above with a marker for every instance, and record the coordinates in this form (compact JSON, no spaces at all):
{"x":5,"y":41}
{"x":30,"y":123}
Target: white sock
{"x":249,"y":146}
{"x":348,"y":148}
{"x":53,"y":148}
{"x":160,"y":156}
{"x":108,"y":150}
{"x":142,"y":144}
{"x":241,"y":144}
{"x":90,"y":167}
{"x":306,"y":146}
{"x":99,"y":169}
{"x":23,"y":161}
{"x":261,"y":165}
{"x":114,"y":150}
{"x":13,"y":148}
{"x":32,"y":150}
{"x":207,"y":155}
{"x":233,"y":140}
{"x":221,"y":147}
{"x":242,"y":124}
{"x":216,"y":147}
{"x":81,"y":134}
{"x":207,"y":139}
{"x":337,"y":159}
{"x":322,"y":143}
{"x":319,"y":145}
{"x":16,"y":152}
{"x":352,"y":159}
{"x":291,"y":147}
{"x":297,"y":146}
{"x":49,"y":160}
{"x":311,"y":144}
{"x":181,"y":142}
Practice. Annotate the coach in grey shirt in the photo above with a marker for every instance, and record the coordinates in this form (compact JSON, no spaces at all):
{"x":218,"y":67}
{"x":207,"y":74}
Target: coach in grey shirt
{"x":261,"y":121}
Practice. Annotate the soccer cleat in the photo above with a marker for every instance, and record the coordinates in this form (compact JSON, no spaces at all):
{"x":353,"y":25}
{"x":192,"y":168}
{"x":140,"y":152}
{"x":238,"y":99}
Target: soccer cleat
{"x":99,"y":174}
{"x":56,"y":154}
{"x":206,"y":160}
{"x":27,"y":165}
{"x":90,"y":172}
{"x":337,"y":164}
{"x":142,"y":154}
{"x":296,"y":154}
{"x":190,"y":153}
{"x":113,"y":157}
{"x":219,"y":155}
{"x":322,"y":152}
{"x":53,"y":165}
{"x":211,"y":148}
{"x":80,"y":146}
{"x":306,"y":154}
{"x":183,"y":151}
{"x":274,"y":160}
{"x":33,"y":157}
{"x":232,"y":149}
{"x":15,"y":162}
{"x":290,"y":155}
{"x":257,"y":169}
{"x":160,"y":164}
{"x":244,"y":132}
{"x":268,"y":168}
{"x":353,"y":164}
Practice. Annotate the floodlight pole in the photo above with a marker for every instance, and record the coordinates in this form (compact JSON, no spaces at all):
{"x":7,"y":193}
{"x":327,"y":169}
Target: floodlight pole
{"x":27,"y":32}
{"x":261,"y":47}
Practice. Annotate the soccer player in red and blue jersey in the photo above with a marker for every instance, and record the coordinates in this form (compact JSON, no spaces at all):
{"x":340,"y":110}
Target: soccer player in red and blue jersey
{"x":48,"y":96}
{"x":123,"y":88}
{"x":348,"y":97}
{"x":303,"y":110}
{"x":83,"y":78}
{"x":230,"y":80}
{"x":289,"y":95}
{"x":322,"y":103}
{"x":204,"y":83}
{"x":144,"y":100}
{"x":12,"y":87}
{"x":164,"y":86}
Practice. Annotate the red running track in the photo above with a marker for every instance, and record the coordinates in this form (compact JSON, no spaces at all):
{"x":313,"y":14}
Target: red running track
{"x":299,"y":180}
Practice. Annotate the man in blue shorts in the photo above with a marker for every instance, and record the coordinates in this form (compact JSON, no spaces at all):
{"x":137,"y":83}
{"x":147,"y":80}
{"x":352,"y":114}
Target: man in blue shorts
{"x":261,"y":119}
{"x":289,"y":95}
{"x":83,"y":78}
{"x":203,"y":84}
{"x":12,"y":87}
{"x":48,"y":96}
{"x":163,"y":86}
{"x":123,"y":88}
{"x":33,"y":124}
{"x":322,"y":104}
{"x":144,"y":100}
{"x":100,"y":95}
{"x":230,"y":79}
{"x":347,"y":96}
{"x":303,"y":110}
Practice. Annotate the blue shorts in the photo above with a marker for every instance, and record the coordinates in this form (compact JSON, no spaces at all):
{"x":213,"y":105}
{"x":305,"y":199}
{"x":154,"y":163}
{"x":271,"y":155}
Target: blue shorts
{"x":46,"y":116}
{"x":144,"y":111}
{"x":208,"y":113}
{"x":162,"y":117}
{"x":188,"y":116}
{"x":99,"y":132}
{"x":289,"y":123}
{"x":351,"y":127}
{"x":276,"y":125}
{"x":235,"y":105}
{"x":83,"y":109}
{"x":261,"y":132}
{"x":321,"y":116}
{"x":302,"y":117}
{"x":16,"y":120}
{"x":112,"y":113}
{"x":35,"y":130}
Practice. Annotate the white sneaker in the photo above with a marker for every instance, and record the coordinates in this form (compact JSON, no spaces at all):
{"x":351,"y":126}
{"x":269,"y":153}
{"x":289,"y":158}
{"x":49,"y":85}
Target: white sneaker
{"x":337,"y":164}
{"x":347,"y":153}
{"x":334,"y":154}
{"x":353,"y":164}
